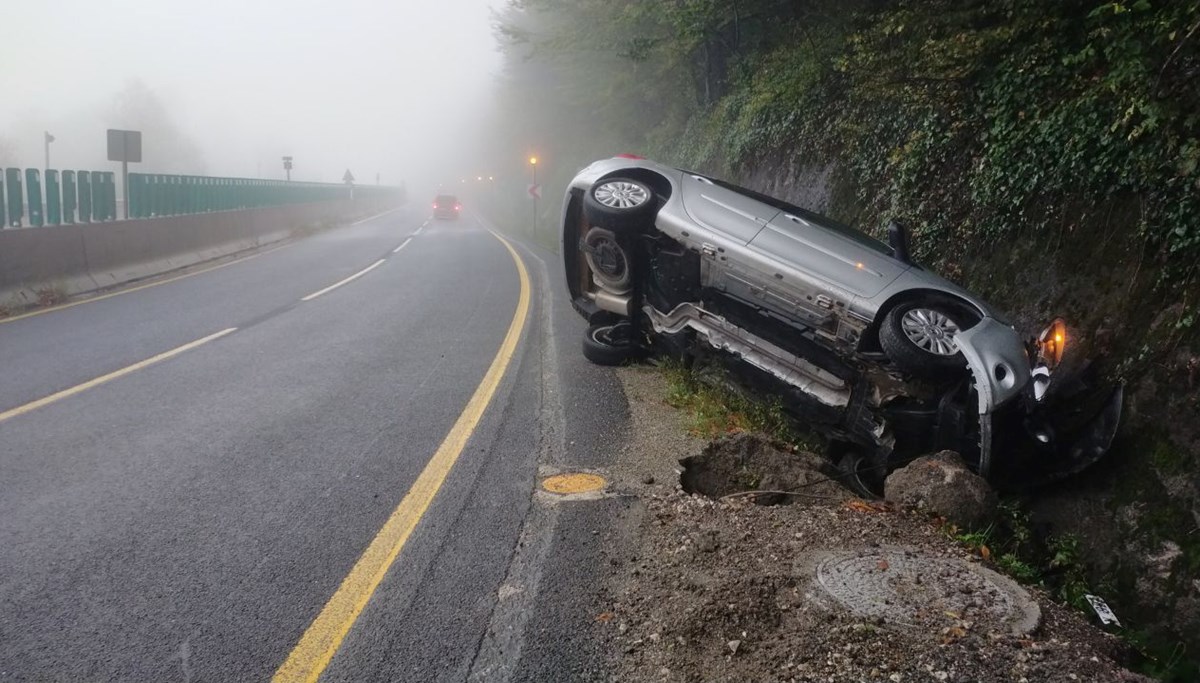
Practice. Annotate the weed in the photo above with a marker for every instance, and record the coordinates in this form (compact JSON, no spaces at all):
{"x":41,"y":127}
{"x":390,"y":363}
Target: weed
{"x":51,"y":295}
{"x":716,"y":408}
{"x":1067,"y":564}
{"x":1019,"y":569}
{"x":975,"y":540}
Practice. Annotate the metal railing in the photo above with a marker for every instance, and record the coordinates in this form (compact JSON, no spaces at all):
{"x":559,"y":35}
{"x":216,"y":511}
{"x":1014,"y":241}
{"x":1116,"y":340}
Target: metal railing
{"x":91,"y":196}
{"x":172,"y":195}
{"x":73,"y":196}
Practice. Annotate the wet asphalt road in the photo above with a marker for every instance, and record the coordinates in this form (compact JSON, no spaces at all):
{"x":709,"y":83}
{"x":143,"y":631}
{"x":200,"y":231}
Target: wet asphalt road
{"x":188,"y":520}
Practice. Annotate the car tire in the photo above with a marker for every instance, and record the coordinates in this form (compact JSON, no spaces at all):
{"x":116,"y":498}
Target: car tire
{"x":858,"y":473}
{"x":918,"y":336}
{"x":609,"y":260}
{"x":620,"y":204}
{"x":610,"y":344}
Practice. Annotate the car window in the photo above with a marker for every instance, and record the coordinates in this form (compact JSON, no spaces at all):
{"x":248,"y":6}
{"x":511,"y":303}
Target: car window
{"x":815,"y":218}
{"x":446,"y":199}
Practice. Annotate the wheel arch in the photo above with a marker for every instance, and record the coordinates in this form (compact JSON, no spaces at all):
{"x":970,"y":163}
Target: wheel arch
{"x":658,"y":182}
{"x":869,"y":341}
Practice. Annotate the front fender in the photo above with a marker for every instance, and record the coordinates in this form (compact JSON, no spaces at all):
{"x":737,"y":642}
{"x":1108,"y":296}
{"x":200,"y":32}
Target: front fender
{"x":997,"y":359}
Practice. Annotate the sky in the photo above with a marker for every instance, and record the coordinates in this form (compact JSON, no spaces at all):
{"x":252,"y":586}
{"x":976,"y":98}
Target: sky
{"x":390,"y":87}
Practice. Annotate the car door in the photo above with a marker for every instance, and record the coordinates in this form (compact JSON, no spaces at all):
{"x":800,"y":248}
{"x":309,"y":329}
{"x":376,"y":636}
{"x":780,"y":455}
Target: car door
{"x":841,"y":256}
{"x":725,"y":212}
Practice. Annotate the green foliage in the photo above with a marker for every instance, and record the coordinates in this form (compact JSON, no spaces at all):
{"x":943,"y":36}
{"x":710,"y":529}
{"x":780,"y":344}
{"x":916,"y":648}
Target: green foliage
{"x":1070,"y":573}
{"x":716,"y":408}
{"x":1054,"y":563}
{"x":1019,"y":569}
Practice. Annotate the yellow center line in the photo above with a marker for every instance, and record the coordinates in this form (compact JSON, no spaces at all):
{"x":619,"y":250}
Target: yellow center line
{"x":324,"y":636}
{"x":80,"y":388}
{"x":352,"y":278}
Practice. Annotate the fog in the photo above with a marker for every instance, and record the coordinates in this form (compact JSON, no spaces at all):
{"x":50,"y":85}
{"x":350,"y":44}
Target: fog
{"x":398,"y":88}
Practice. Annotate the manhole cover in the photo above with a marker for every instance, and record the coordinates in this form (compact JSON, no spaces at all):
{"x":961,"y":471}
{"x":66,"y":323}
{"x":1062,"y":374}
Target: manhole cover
{"x":573,"y":482}
{"x":907,"y":587}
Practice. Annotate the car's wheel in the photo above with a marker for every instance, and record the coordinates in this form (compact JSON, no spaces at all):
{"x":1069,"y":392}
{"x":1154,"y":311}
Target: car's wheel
{"x":862,"y":475}
{"x":610,"y":344}
{"x":920,"y":336}
{"x":619,"y":204}
{"x":608,"y":260}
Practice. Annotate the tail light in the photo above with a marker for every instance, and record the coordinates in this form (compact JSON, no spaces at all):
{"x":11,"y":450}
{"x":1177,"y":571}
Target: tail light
{"x":627,"y":155}
{"x":435,"y":205}
{"x":457,"y":207}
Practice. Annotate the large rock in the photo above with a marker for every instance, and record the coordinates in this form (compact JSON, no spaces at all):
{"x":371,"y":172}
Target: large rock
{"x":942,"y":484}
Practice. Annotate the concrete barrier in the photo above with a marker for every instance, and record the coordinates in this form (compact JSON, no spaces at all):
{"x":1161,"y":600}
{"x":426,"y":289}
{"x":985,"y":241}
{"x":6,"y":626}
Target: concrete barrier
{"x":65,"y":260}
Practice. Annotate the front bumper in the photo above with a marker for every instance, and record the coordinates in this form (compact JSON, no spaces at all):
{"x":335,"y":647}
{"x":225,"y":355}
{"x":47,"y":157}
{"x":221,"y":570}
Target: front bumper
{"x":1051,"y":441}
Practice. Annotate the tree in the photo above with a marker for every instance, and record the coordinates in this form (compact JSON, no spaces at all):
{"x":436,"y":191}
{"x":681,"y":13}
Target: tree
{"x":165,"y":148}
{"x":8,"y":152}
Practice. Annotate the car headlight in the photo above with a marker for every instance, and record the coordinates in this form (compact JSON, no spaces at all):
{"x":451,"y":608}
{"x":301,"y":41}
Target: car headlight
{"x":1051,"y":343}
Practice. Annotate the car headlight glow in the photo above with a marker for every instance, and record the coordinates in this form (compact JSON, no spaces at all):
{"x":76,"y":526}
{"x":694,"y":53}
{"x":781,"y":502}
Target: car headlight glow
{"x":1052,"y":342}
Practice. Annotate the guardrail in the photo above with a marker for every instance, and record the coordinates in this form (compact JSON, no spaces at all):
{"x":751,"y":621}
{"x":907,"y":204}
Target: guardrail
{"x":91,"y":196}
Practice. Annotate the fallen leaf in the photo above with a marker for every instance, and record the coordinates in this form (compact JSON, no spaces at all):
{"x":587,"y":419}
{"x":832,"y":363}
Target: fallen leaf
{"x":604,"y":617}
{"x":859,"y":505}
{"x":883,"y":565}
{"x":985,"y":552}
{"x":951,"y":634}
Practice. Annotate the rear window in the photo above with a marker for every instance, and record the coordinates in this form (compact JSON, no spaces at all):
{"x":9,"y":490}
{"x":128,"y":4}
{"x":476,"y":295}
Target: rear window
{"x":446,"y":199}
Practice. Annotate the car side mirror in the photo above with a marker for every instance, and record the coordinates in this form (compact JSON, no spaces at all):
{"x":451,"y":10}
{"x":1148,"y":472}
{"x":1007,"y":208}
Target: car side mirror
{"x":898,"y":241}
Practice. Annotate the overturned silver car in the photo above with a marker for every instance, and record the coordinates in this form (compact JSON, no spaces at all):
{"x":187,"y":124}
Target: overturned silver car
{"x":887,"y":359}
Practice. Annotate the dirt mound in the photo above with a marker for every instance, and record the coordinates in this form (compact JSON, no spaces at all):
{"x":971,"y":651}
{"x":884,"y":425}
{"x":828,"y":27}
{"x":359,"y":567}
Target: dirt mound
{"x":751,"y":464}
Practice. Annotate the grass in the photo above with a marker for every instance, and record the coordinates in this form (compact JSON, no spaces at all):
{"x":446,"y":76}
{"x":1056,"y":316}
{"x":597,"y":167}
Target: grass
{"x":716,"y":408}
{"x":1054,"y":563}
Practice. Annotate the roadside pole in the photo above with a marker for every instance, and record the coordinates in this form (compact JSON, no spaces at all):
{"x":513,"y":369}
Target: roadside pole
{"x":535,"y":193}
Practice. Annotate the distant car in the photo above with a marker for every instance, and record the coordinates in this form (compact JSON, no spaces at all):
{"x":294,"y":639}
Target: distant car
{"x":446,"y":206}
{"x":888,"y":359}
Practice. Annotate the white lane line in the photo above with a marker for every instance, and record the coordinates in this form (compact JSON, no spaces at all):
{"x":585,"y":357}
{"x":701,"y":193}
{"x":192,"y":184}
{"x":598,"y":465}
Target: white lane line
{"x":352,"y":278}
{"x":371,"y":218}
{"x":80,"y":388}
{"x":402,"y":245}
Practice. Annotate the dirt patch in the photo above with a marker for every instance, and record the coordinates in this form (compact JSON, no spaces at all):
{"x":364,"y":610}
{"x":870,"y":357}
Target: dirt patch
{"x":725,"y":590}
